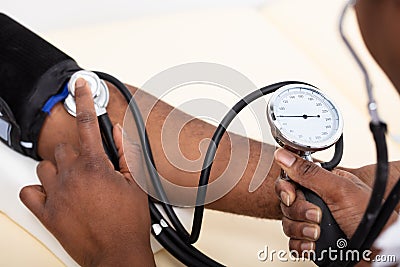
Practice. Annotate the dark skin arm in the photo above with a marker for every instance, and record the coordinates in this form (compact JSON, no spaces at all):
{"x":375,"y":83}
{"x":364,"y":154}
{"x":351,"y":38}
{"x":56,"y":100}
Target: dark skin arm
{"x":60,"y":127}
{"x":99,"y":215}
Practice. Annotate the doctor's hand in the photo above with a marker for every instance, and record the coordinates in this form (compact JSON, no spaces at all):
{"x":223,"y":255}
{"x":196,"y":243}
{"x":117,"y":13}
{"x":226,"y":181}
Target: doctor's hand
{"x":99,"y":215}
{"x":345,"y":195}
{"x":367,"y":175}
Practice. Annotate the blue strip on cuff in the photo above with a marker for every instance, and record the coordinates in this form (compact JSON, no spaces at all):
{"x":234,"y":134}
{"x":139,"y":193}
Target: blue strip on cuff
{"x":55,"y":99}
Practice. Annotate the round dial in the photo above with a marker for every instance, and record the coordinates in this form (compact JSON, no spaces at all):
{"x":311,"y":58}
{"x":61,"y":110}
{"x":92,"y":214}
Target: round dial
{"x":303,"y":118}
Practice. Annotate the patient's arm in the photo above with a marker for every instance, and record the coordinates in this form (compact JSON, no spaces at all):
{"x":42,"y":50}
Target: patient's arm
{"x":60,"y":127}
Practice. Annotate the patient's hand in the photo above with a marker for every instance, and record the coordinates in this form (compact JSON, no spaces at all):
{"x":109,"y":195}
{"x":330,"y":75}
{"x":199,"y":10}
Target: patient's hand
{"x":99,"y":215}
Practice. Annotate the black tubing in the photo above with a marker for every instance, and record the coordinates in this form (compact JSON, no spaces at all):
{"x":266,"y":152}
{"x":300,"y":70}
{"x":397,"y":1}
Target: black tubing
{"x":172,"y":236}
{"x":169,"y":238}
{"x":371,"y":214}
{"x":212,"y":149}
{"x":383,"y":216}
{"x":378,"y":191}
{"x":337,"y":157}
{"x":175,"y":251}
{"x":148,"y":156}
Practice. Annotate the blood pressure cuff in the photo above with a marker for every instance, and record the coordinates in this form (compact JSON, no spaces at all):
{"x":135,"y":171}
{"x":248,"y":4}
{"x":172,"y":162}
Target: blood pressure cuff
{"x":32,"y":71}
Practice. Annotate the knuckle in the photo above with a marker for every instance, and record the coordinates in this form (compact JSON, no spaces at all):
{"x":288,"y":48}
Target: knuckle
{"x":285,"y":210}
{"x":86,"y":117}
{"x":306,"y":169}
{"x":291,"y":212}
{"x":83,"y":92}
{"x":339,"y":172}
{"x":23,"y":194}
{"x":296,"y":211}
{"x":288,"y":227}
{"x":94,"y":164}
{"x":43,"y":166}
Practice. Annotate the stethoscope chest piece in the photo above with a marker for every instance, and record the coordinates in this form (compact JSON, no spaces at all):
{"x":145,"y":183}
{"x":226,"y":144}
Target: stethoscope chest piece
{"x":99,"y":90}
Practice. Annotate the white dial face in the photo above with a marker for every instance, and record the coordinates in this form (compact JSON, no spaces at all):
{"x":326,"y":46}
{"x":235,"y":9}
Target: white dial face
{"x":305,"y":117}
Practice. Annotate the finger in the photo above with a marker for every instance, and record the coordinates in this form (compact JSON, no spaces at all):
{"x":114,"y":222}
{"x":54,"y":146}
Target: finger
{"x":286,"y":191}
{"x":64,"y":155}
{"x":131,"y":152}
{"x":300,"y":246}
{"x":88,"y":126}
{"x":47,"y":173}
{"x":34,"y":198}
{"x":302,"y":210}
{"x":309,"y":175}
{"x":300,"y":230}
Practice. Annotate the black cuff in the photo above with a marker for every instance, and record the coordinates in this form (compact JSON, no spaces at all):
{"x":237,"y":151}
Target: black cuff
{"x":31,"y":71}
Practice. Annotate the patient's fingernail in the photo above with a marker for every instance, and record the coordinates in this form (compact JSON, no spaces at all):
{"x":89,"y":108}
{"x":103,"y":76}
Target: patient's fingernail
{"x":285,"y":157}
{"x":310,"y":232}
{"x":313,"y":215}
{"x":80,"y":83}
{"x":307,"y":246}
{"x":285,"y":198}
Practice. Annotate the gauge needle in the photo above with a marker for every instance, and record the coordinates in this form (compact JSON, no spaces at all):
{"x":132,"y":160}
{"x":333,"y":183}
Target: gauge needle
{"x":299,"y":116}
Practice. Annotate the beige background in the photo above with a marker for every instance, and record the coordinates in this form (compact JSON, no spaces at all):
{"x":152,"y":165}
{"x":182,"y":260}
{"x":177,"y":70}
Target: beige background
{"x":281,"y":40}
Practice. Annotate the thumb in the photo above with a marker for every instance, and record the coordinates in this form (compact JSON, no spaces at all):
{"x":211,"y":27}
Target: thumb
{"x":309,"y":175}
{"x":131,"y":153}
{"x":34,"y":198}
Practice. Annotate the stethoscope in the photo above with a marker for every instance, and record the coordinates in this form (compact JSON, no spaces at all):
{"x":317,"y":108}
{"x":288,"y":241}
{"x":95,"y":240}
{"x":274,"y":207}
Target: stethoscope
{"x":173,"y":236}
{"x":376,"y":214}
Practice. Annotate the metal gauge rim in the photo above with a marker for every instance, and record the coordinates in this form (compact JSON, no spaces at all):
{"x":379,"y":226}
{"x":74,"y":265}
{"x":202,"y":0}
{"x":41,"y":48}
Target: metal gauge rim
{"x":90,"y":77}
{"x":288,"y":141}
